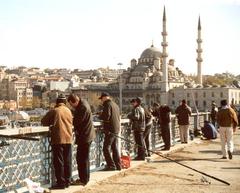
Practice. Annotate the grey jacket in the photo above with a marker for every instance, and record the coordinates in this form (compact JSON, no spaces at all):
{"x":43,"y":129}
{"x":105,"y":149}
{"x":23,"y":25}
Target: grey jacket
{"x":137,"y":117}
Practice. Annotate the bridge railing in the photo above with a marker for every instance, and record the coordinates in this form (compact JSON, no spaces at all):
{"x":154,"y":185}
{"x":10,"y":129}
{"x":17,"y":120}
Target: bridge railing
{"x":21,"y":156}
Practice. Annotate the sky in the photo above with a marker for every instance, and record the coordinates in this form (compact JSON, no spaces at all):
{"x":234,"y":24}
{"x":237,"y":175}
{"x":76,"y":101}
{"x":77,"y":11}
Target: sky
{"x":88,"y":34}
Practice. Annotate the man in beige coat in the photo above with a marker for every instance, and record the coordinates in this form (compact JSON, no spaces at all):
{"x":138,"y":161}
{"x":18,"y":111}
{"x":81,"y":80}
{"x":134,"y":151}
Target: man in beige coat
{"x":227,"y":121}
{"x":60,"y":120}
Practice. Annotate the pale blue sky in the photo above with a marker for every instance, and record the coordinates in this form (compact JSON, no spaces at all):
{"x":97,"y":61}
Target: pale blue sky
{"x":87,"y":34}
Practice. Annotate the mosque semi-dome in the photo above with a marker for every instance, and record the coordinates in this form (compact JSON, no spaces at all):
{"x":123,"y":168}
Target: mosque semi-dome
{"x":151,"y":52}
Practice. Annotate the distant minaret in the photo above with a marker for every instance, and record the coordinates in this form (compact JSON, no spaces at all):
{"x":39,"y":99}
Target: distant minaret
{"x":164,"y":60}
{"x":199,"y":54}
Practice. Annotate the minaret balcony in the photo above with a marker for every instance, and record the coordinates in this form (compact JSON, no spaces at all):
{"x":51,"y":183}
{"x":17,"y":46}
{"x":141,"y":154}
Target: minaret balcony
{"x":199,"y":59}
{"x":199,"y":50}
{"x":164,"y":33}
{"x":164,"y":55}
{"x":199,"y":40}
{"x":164,"y":44}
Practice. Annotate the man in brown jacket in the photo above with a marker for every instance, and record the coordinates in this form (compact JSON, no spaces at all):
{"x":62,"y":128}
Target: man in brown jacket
{"x":227,"y":121}
{"x":59,"y":120}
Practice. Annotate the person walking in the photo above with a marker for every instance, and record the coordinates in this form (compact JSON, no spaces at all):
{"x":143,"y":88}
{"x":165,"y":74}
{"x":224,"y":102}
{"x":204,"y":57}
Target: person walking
{"x":111,"y":125}
{"x":84,"y":135}
{"x":227,"y":121}
{"x":148,"y":128}
{"x":183,"y":113}
{"x":137,"y":117}
{"x":164,"y":120}
{"x":59,"y":120}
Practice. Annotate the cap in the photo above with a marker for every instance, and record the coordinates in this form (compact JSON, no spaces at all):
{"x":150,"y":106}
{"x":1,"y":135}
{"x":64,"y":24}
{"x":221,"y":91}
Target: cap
{"x":103,"y":95}
{"x":139,"y":100}
{"x":61,"y":99}
{"x":61,"y":96}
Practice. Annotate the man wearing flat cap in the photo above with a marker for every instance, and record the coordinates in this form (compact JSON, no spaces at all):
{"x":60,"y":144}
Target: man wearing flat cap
{"x":60,"y":120}
{"x":111,"y":125}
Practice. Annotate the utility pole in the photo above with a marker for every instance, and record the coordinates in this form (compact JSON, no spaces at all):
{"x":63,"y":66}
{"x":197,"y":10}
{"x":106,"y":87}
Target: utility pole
{"x":120,"y":87}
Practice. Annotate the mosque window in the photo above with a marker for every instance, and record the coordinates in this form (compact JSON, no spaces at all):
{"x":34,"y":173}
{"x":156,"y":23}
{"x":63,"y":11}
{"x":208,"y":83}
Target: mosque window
{"x":212,"y":94}
{"x":221,"y":94}
{"x":204,"y":94}
{"x":173,"y":102}
{"x":188,"y":103}
{"x":172,"y":95}
{"x":204,"y":103}
{"x":196,"y":102}
{"x":188,"y":94}
{"x":196,"y":95}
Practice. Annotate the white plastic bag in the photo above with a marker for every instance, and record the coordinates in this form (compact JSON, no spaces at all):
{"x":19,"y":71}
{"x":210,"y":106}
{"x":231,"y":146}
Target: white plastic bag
{"x":33,"y":187}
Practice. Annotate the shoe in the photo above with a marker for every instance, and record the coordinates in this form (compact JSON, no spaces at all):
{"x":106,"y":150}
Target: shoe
{"x":67,"y":185}
{"x":109,"y":169}
{"x":139,"y":159}
{"x":223,"y":157}
{"x":230,"y":154}
{"x":57,"y":187}
{"x":78,"y":183}
{"x":165,"y":149}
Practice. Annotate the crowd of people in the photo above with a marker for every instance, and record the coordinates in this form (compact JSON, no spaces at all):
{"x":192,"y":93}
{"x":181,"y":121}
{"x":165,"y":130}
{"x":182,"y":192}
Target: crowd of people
{"x":63,"y":123}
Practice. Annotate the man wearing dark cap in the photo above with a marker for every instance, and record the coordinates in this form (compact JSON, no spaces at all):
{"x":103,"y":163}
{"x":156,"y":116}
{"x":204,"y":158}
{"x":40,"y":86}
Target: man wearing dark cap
{"x":111,"y":125}
{"x":227,"y":121}
{"x":183,"y":113}
{"x":137,"y":117}
{"x":59,"y":120}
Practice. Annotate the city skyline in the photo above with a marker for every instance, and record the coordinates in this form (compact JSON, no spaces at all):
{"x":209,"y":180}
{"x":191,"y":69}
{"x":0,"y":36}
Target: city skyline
{"x":87,"y":35}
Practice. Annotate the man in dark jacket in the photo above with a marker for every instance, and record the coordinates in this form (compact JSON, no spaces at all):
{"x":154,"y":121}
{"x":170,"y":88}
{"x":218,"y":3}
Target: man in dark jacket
{"x":85,"y":134}
{"x":111,"y":125}
{"x":60,"y":122}
{"x":164,"y":120}
{"x":137,"y":117}
{"x":213,"y":114}
{"x":183,"y":113}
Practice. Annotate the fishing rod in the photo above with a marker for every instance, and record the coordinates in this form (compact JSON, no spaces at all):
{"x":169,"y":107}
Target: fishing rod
{"x":165,"y":157}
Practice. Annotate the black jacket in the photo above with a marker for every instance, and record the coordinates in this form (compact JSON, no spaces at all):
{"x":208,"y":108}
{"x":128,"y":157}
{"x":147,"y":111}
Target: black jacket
{"x":164,"y":115}
{"x":83,"y":123}
{"x":137,"y":117}
{"x":110,"y":117}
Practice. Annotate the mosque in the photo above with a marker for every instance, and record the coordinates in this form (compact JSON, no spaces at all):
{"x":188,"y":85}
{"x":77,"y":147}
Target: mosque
{"x":154,"y":78}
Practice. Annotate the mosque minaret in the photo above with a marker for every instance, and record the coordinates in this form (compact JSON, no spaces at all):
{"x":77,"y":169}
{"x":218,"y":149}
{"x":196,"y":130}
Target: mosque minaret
{"x":199,"y":54}
{"x":165,"y":87}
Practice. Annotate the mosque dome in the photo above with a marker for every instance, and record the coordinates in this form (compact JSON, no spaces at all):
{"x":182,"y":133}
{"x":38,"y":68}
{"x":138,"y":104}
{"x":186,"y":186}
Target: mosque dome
{"x":151,"y":52}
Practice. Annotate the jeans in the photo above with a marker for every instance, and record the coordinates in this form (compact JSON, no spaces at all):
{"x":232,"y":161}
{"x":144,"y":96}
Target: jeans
{"x":110,"y":146}
{"x":146,"y":136}
{"x":138,"y":135}
{"x":62,"y":162}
